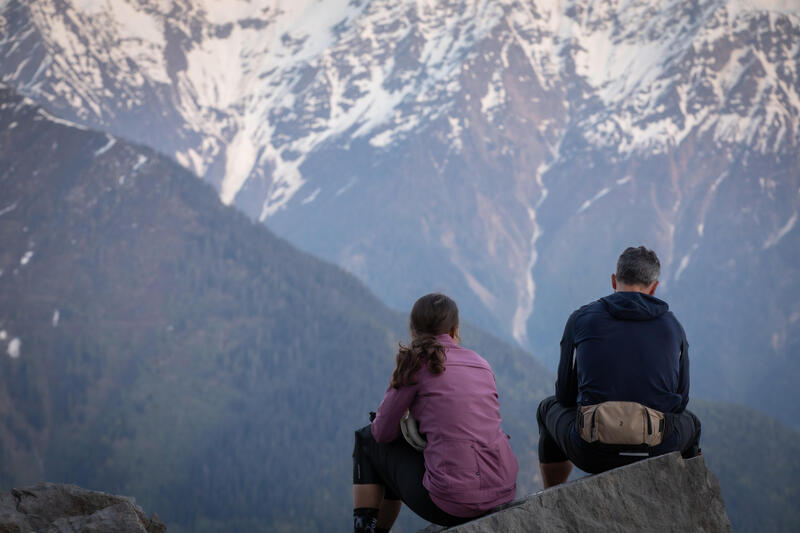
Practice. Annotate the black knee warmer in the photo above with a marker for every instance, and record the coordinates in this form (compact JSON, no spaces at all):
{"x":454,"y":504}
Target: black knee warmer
{"x":365,"y":520}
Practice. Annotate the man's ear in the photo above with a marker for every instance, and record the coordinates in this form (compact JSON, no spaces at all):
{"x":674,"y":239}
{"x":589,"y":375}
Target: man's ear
{"x":614,"y":281}
{"x":652,"y":289}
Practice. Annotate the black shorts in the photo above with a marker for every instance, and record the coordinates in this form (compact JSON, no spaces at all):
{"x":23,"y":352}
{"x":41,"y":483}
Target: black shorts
{"x":559,"y":440}
{"x":399,"y":468}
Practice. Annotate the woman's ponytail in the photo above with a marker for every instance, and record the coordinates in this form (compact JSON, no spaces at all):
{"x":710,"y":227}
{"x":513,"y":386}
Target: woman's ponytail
{"x":433,"y":314}
{"x":409,"y":359}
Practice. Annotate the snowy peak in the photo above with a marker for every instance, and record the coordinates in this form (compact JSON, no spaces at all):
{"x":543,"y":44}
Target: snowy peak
{"x":728,"y":69}
{"x":258,"y":82}
{"x":255,"y":86}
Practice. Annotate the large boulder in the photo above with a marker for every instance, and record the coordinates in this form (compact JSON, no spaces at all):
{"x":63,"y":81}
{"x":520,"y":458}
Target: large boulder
{"x":664,"y":493}
{"x":53,"y":508}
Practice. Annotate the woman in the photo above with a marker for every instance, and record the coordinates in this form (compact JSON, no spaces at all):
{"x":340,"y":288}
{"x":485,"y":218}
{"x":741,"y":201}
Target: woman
{"x":467,"y":467}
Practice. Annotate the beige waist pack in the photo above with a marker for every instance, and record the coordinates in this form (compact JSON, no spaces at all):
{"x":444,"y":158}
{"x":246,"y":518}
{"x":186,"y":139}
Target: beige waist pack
{"x":621,"y":423}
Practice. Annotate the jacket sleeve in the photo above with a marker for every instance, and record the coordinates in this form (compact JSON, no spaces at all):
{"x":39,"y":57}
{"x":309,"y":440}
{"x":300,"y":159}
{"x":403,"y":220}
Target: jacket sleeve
{"x":567,"y":381}
{"x":386,"y":426}
{"x":683,"y":372}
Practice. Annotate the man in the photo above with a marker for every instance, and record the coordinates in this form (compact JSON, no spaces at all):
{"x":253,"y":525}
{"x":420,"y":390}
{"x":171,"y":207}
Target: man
{"x":623,"y":380}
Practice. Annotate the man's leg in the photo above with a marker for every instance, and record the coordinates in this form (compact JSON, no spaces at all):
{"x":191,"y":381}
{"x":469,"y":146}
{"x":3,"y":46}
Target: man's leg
{"x":687,"y":428}
{"x":555,"y":473}
{"x":554,"y":421}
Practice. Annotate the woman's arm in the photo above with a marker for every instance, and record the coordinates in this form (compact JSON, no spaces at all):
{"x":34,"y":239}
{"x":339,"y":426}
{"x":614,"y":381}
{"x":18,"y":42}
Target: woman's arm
{"x":386,"y":426}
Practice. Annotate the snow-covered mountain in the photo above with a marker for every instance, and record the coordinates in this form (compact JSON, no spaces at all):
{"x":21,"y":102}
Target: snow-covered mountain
{"x":502,"y":150}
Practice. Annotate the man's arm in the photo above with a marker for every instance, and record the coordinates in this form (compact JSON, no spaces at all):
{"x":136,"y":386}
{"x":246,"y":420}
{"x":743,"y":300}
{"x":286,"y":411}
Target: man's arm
{"x":683,"y":372}
{"x":567,"y":382}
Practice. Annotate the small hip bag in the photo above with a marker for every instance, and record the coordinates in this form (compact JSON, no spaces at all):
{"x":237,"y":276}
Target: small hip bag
{"x":628,"y":423}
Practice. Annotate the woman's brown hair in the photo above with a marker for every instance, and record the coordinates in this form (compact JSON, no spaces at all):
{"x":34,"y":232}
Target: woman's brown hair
{"x":433,"y":314}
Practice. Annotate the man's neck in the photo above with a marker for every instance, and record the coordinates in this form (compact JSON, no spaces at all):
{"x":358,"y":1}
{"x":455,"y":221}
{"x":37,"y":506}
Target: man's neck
{"x":650,"y":289}
{"x":635,"y":288}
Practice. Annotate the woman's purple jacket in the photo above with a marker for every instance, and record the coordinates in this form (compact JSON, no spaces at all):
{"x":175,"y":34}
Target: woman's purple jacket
{"x":469,"y":465}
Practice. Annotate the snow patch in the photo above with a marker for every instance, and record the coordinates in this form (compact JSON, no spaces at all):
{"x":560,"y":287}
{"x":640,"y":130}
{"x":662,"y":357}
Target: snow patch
{"x":784,"y":7}
{"x":139,"y":162}
{"x":527,"y":292}
{"x":26,"y":258}
{"x":239,"y":160}
{"x":454,"y":136}
{"x":448,"y":240}
{"x":286,"y":181}
{"x":781,"y":233}
{"x":53,"y":118}
{"x":3,"y":335}
{"x":484,"y":295}
{"x":14,"y":347}
{"x":495,"y":94}
{"x":519,"y":324}
{"x":56,"y":318}
{"x":392,"y":135}
{"x":229,"y":11}
{"x":106,"y":147}
{"x":718,"y":181}
{"x":311,"y":197}
{"x":192,"y":160}
{"x":344,"y":188}
{"x":585,"y":205}
{"x":682,"y":266}
{"x":9,"y":208}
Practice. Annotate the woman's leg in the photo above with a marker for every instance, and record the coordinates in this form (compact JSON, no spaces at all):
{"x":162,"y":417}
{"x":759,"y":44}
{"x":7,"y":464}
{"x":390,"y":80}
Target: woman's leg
{"x":370,"y":505}
{"x":388,"y":514}
{"x":368,"y":487}
{"x":399,"y":468}
{"x":367,"y":495}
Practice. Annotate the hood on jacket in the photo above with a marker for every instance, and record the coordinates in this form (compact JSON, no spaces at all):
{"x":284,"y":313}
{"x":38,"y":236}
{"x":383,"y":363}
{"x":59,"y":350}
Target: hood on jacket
{"x":634,"y":306}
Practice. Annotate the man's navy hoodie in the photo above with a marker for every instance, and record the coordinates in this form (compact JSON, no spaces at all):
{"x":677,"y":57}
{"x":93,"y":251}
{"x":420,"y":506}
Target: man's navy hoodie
{"x":627,"y":346}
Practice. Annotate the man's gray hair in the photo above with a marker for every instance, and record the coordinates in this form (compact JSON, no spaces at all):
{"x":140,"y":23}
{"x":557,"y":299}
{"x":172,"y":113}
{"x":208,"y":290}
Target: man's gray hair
{"x":638,"y":266}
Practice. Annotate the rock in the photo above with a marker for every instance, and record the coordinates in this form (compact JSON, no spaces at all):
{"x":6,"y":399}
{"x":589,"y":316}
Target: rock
{"x":665,"y":493}
{"x":53,"y":508}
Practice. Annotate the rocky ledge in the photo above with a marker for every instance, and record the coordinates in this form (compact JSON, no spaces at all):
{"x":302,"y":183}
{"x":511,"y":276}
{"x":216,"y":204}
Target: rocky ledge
{"x":664,"y":493}
{"x":52,"y":508}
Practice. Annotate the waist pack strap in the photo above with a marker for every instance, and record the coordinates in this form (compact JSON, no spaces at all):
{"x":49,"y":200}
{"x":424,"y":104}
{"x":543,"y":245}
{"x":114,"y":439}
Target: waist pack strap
{"x":628,"y":423}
